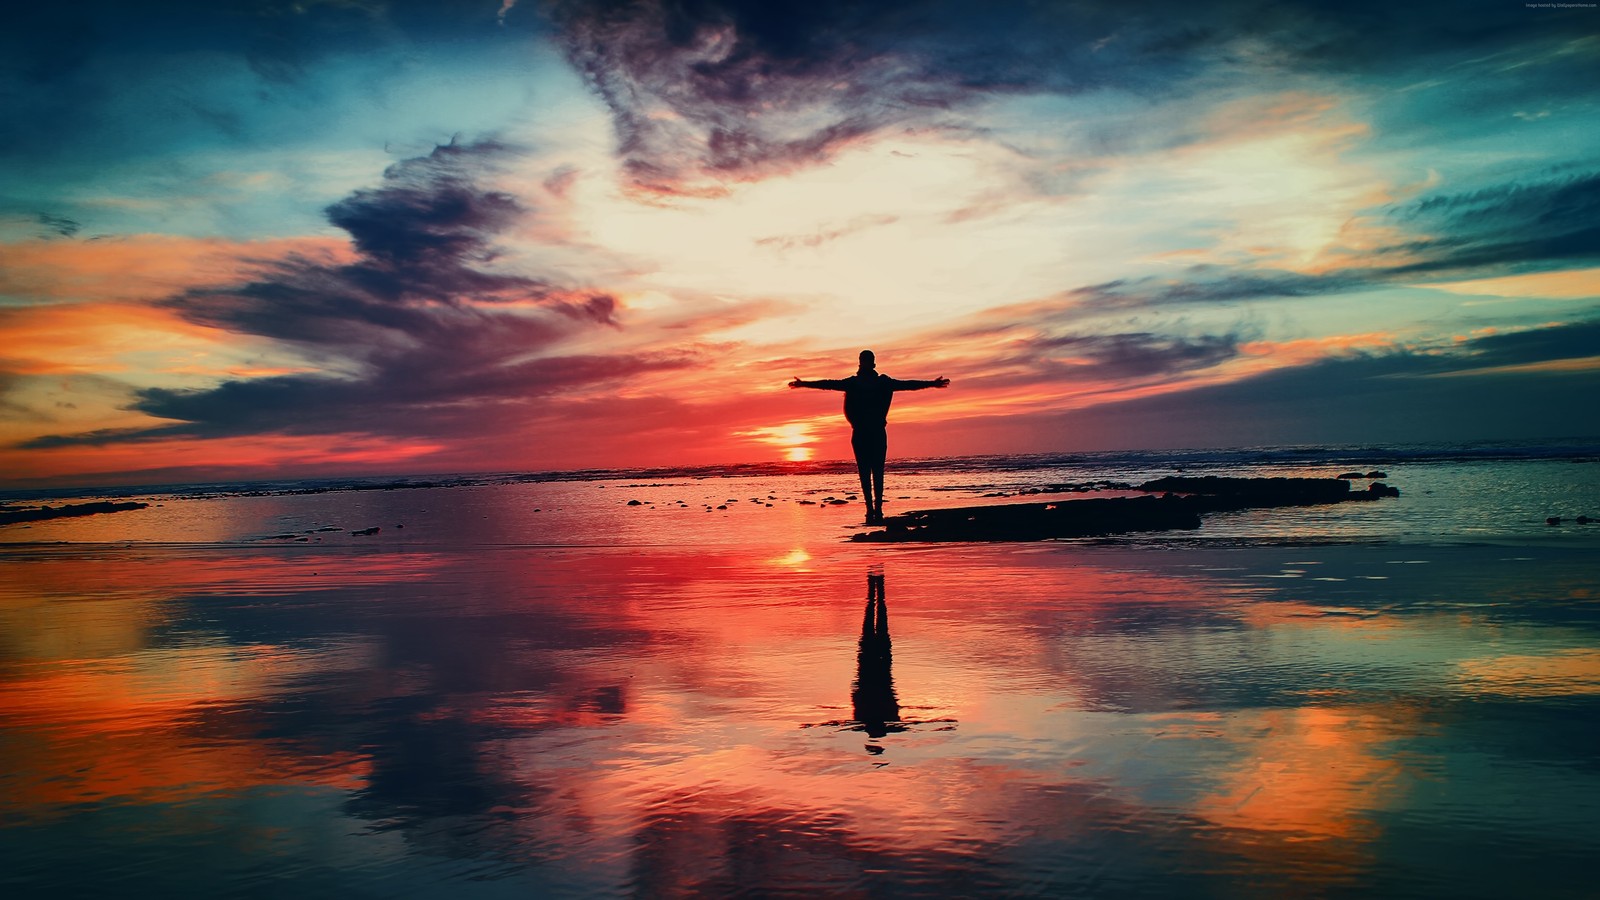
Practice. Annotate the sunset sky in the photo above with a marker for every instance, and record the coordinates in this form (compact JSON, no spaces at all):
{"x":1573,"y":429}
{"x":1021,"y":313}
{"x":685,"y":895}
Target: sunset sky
{"x":252,"y":239}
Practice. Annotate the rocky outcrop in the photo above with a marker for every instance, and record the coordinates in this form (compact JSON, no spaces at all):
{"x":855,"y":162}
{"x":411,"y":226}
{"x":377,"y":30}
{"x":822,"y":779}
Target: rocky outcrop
{"x":1245,"y":493}
{"x":42,"y":513}
{"x":1181,"y":504}
{"x":1039,"y":521}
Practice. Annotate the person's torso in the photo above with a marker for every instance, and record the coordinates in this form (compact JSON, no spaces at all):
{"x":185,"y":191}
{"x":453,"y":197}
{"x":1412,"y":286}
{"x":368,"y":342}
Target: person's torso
{"x":867,"y":399}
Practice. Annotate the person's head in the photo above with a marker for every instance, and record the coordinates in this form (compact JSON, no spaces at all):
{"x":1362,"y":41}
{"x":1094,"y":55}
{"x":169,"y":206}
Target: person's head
{"x":869,"y":362}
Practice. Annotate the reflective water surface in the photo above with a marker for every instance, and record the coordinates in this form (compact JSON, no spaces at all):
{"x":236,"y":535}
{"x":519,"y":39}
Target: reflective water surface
{"x":1104,"y":720}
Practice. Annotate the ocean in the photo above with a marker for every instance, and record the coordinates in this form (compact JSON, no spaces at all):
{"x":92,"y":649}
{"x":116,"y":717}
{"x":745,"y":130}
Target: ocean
{"x":692,"y":682}
{"x":1490,"y":492}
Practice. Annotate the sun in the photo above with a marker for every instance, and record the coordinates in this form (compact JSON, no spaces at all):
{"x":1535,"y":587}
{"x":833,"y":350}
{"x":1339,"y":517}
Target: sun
{"x":793,"y":439}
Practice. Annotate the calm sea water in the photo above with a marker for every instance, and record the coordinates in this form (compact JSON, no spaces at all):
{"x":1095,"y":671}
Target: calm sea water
{"x":534,"y":687}
{"x":1447,"y":495}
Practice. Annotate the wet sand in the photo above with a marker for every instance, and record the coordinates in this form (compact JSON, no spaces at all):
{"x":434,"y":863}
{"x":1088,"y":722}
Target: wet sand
{"x":412,"y":716}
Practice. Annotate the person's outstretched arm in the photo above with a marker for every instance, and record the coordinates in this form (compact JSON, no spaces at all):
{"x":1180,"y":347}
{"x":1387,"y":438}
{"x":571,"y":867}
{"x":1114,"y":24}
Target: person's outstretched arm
{"x":911,"y":385}
{"x":821,"y":384}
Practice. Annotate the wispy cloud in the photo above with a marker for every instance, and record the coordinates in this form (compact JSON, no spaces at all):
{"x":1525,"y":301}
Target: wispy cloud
{"x":823,"y":236}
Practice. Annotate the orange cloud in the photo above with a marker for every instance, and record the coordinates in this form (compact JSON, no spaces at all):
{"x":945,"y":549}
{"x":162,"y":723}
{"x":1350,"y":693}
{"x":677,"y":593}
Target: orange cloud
{"x":220,"y":458}
{"x":100,"y":338}
{"x":140,"y":267}
{"x":1262,"y":355}
{"x":1574,"y":284}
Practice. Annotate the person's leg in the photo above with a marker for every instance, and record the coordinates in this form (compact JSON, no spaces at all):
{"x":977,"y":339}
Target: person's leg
{"x":877,"y":477}
{"x":862,"y":445}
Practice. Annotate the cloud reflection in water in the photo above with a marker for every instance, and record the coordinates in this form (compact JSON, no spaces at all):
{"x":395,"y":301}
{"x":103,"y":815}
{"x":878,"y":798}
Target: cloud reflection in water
{"x":590,"y":721}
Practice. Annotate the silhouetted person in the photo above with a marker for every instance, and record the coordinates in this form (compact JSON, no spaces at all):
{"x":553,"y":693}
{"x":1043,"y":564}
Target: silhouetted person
{"x":867,"y":395}
{"x":872,"y":698}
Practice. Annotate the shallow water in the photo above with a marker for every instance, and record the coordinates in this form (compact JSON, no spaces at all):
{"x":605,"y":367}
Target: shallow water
{"x":426,"y":716}
{"x":1442,"y":501}
{"x":693,"y":684}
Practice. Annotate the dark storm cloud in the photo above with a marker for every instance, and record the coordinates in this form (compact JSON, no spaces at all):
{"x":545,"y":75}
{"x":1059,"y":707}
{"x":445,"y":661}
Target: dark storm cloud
{"x":1133,"y":355}
{"x":1037,"y":345}
{"x":1211,"y":285}
{"x":425,"y":337}
{"x":1401,"y":395}
{"x":732,"y":89}
{"x":1523,"y":223}
{"x":709,"y":90}
{"x":422,"y":238}
{"x":1578,"y":340}
{"x":403,"y":397}
{"x":737,"y":89}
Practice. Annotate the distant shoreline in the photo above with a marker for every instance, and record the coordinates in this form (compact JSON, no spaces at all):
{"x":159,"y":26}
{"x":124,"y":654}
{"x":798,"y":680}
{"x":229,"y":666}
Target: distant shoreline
{"x":1335,"y":458}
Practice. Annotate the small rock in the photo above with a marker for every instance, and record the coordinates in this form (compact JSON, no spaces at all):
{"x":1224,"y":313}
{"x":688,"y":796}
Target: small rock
{"x":1553,"y":520}
{"x":1350,"y":476}
{"x":1584,"y":520}
{"x":634,"y":503}
{"x":1377,"y":475}
{"x":373,"y":530}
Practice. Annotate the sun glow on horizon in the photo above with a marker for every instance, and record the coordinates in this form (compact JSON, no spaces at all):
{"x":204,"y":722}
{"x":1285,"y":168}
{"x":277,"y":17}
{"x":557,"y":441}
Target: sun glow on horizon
{"x":794,"y":439}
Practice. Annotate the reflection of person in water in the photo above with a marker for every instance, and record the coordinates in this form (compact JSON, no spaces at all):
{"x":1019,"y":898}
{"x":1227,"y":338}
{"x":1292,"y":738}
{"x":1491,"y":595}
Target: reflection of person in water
{"x":867,"y":395}
{"x":873,"y":703}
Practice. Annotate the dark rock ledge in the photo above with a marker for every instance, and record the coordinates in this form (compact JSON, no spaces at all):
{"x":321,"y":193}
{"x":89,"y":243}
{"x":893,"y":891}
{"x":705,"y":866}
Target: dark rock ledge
{"x":1180,"y":504}
{"x":13,"y":515}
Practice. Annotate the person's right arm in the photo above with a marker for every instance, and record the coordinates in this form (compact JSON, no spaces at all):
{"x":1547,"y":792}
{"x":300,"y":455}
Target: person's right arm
{"x":913,"y":385}
{"x":821,"y":384}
